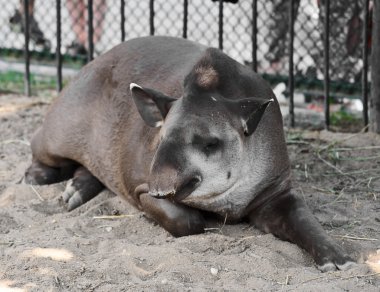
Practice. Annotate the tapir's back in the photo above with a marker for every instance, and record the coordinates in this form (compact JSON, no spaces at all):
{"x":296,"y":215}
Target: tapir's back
{"x":156,"y":62}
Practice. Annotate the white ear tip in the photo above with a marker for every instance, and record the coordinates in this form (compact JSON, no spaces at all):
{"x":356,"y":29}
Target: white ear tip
{"x":132,"y":85}
{"x":159,"y":124}
{"x":271,"y":100}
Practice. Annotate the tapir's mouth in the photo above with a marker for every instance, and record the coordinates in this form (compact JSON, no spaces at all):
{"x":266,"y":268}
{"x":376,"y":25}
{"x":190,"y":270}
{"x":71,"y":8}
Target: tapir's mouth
{"x":180,"y":193}
{"x":162,"y":194}
{"x":187,"y":188}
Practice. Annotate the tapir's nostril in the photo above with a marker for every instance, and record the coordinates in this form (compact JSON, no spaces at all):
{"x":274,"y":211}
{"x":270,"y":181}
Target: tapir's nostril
{"x":192,"y":183}
{"x":187,"y":187}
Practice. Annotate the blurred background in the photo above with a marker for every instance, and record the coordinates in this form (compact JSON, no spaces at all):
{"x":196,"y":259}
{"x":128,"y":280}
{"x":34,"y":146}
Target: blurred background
{"x":272,"y":39}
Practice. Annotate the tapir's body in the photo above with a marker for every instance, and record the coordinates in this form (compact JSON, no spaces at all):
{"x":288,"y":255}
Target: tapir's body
{"x":199,"y":132}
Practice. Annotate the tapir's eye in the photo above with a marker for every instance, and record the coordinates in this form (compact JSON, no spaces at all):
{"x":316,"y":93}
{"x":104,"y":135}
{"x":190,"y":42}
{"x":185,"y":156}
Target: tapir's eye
{"x":211,"y":145}
{"x":207,"y":145}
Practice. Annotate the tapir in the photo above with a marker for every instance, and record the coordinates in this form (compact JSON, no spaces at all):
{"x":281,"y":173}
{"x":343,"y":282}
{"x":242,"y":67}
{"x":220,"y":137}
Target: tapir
{"x":181,"y":131}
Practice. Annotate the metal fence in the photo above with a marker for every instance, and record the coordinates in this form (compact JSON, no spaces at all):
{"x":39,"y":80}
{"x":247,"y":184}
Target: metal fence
{"x":318,"y":47}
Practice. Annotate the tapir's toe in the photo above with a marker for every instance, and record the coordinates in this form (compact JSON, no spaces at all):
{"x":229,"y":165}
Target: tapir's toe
{"x":346,"y":266}
{"x":82,"y":188}
{"x":75,"y":201}
{"x":336,"y":261}
{"x":69,"y":191}
{"x":330,"y":266}
{"x":72,"y":197}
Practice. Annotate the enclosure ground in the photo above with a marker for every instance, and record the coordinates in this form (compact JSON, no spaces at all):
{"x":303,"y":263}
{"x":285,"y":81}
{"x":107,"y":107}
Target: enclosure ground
{"x":107,"y":245}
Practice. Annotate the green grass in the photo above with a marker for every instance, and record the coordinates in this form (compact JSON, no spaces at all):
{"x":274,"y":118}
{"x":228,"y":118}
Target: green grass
{"x":12,"y":81}
{"x":342,"y":118}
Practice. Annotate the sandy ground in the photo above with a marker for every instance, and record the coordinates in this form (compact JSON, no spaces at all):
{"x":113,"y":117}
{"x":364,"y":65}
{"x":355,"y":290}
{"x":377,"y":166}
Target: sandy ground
{"x":44,"y":248}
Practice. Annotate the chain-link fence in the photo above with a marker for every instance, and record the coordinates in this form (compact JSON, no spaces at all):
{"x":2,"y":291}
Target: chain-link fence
{"x":346,"y":24}
{"x":202,"y":24}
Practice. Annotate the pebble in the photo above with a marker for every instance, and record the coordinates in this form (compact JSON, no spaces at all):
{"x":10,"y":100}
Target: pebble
{"x":214,"y":271}
{"x":164,"y":281}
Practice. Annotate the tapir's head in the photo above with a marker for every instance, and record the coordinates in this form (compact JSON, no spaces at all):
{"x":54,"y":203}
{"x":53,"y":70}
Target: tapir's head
{"x":202,"y":140}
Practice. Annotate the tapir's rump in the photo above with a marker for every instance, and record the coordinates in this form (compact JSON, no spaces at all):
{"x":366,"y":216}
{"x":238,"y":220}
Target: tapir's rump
{"x":177,"y":129}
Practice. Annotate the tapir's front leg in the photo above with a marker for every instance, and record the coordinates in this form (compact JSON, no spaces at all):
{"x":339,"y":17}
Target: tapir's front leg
{"x":289,"y":218}
{"x":177,"y":219}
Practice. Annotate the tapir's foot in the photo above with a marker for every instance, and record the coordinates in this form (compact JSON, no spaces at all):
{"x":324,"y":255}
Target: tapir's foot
{"x":41,"y":174}
{"x":333,"y":258}
{"x":289,"y":218}
{"x":81,"y":188}
{"x":177,"y":219}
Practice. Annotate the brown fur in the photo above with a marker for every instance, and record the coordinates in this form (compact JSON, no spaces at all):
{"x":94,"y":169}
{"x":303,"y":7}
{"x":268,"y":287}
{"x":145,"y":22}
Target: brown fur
{"x":206,"y":77}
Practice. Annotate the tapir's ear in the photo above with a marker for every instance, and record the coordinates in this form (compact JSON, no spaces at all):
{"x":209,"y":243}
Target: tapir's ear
{"x":152,"y":105}
{"x":251,"y":110}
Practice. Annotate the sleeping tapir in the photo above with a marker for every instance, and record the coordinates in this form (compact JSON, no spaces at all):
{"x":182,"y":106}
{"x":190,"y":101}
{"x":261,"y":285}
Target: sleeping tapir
{"x":179,"y":130}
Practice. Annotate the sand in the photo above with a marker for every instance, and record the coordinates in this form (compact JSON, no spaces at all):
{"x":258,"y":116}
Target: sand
{"x":107,"y":245}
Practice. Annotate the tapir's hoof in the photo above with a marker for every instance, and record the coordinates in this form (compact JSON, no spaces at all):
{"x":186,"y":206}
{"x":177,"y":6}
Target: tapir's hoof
{"x":331,"y":266}
{"x":80,"y":190}
{"x":336,"y":260}
{"x":39,"y":174}
{"x":71,"y":196}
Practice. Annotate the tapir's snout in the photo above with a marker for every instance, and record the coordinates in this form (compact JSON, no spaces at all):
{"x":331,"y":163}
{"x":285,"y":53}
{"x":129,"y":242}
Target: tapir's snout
{"x":176,"y":186}
{"x":171,"y":175}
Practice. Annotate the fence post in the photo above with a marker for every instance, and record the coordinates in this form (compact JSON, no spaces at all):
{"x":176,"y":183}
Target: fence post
{"x":122,"y":24}
{"x":185,"y":14}
{"x":221,"y":24}
{"x":26,"y":49}
{"x":58,"y":55}
{"x":326,"y":49}
{"x":151,"y":17}
{"x":365,"y":64}
{"x":375,"y":71}
{"x":254,"y":35}
{"x":90,"y":10}
{"x":291,"y":63}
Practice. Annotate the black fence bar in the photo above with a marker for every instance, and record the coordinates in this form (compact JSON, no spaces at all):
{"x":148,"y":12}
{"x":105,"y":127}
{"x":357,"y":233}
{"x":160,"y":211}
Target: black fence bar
{"x":122,"y":24}
{"x":221,"y":24}
{"x":90,"y":10}
{"x":27,"y":87}
{"x":185,"y":13}
{"x":254,"y":35}
{"x":58,"y":55}
{"x":326,"y":49}
{"x":151,"y":16}
{"x":291,"y":63}
{"x":365,"y":64}
{"x":375,"y":69}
